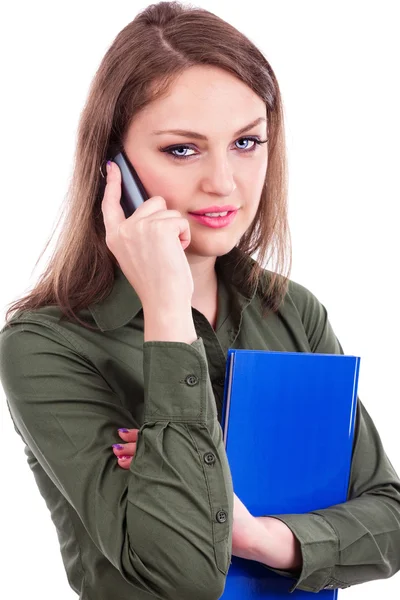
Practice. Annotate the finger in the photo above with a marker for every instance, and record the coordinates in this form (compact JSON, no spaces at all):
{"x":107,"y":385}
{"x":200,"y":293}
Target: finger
{"x":179,"y":225}
{"x":130,"y":436}
{"x":150,"y":206}
{"x":125,"y":449}
{"x":182,"y":229}
{"x":124,"y":461}
{"x":113,"y":213}
{"x":167,"y":214}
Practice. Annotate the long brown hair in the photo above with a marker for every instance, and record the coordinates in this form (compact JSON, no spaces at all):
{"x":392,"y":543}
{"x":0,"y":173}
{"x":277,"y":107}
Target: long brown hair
{"x":145,"y":58}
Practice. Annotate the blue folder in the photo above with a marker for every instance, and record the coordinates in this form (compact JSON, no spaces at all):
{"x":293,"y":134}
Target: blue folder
{"x":288,"y":423}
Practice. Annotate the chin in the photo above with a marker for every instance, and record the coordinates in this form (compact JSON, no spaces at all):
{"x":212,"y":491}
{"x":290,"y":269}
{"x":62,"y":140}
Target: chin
{"x":212,"y":247}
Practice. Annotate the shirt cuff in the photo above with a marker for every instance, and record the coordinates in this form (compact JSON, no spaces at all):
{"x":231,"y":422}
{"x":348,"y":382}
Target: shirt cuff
{"x":177,"y":383}
{"x":319,"y":547}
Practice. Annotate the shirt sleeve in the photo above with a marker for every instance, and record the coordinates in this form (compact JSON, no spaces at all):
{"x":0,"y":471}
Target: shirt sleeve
{"x":359,"y":540}
{"x":166,"y":523}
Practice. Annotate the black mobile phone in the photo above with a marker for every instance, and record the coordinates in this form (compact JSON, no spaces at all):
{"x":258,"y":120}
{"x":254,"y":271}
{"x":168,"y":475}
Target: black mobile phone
{"x":133,"y":192}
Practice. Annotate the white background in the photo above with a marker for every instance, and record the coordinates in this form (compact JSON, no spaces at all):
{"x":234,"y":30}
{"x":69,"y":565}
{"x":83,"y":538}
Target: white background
{"x":338,"y":68}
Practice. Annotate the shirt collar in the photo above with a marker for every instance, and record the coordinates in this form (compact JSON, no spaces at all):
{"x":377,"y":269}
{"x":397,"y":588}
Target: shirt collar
{"x":123,"y":303}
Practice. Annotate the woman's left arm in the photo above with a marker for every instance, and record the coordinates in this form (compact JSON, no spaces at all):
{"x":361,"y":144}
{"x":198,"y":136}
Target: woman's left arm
{"x":359,"y":540}
{"x":356,"y":541}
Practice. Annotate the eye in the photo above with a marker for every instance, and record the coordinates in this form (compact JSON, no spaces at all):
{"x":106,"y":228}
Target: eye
{"x":247,"y":140}
{"x":178,"y":149}
{"x":171,"y":150}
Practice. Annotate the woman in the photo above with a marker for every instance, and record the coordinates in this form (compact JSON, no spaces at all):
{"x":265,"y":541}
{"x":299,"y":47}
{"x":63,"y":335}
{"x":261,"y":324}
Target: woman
{"x":130,"y":324}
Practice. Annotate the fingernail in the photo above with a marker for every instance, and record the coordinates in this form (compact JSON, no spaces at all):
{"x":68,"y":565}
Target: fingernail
{"x":123,"y":457}
{"x":108,"y":166}
{"x":117,"y":446}
{"x":124,"y":430}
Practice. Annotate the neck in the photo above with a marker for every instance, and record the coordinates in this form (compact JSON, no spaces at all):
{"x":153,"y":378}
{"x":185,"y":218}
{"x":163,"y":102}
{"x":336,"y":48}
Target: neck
{"x":204,"y":275}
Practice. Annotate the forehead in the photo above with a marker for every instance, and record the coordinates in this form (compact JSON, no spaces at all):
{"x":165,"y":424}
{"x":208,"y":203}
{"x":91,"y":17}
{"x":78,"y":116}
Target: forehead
{"x":205,"y":99}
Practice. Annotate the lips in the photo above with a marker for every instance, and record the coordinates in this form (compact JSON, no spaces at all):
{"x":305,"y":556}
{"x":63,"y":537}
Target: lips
{"x":215,"y":209}
{"x":216,"y":222}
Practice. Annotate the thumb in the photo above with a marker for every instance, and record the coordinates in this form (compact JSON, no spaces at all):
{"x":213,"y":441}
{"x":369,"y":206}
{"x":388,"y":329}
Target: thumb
{"x":113,"y":213}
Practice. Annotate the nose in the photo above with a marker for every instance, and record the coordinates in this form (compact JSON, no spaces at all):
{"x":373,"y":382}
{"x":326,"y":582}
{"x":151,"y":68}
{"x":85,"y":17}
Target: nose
{"x":218,"y":176}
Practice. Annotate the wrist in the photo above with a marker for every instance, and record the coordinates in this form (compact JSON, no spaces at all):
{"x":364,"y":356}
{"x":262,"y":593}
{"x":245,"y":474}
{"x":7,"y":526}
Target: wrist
{"x":258,"y":543}
{"x":276,"y":545}
{"x":169,"y":325}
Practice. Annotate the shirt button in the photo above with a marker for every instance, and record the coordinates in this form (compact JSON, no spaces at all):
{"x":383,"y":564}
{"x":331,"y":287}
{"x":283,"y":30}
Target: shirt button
{"x":220,"y":381}
{"x":328,"y":587}
{"x":221,"y":516}
{"x":209,"y":458}
{"x":191,"y":380}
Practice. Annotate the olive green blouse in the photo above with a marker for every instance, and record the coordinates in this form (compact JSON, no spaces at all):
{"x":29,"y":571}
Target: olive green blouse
{"x":155,"y":530}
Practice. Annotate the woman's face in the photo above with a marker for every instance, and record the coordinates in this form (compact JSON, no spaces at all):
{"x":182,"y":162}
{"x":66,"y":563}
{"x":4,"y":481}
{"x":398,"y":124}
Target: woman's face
{"x":221,"y":168}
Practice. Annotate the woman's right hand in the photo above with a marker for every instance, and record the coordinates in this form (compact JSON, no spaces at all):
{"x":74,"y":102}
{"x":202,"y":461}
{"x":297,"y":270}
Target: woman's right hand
{"x":149,"y":246}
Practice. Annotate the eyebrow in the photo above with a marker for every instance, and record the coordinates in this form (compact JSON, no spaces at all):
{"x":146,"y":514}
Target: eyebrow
{"x":199,"y":136}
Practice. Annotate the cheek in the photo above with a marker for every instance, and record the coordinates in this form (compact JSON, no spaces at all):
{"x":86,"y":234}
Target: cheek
{"x":258,"y":172}
{"x":252,"y":186}
{"x":251,"y":176}
{"x":162,"y":181}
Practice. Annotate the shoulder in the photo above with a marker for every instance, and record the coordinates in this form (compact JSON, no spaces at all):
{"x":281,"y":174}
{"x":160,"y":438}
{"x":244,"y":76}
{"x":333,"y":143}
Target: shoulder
{"x":38,"y":352}
{"x":301,"y":309}
{"x":297,"y":297}
{"x":50,"y":314}
{"x":35,"y":330}
{"x":305,"y":300}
